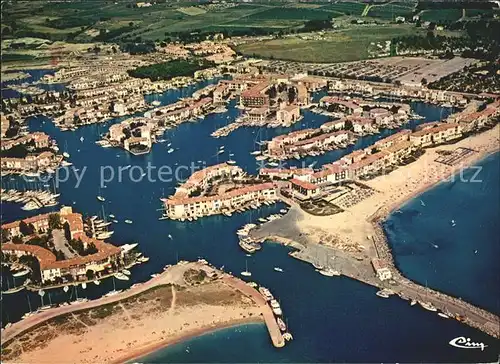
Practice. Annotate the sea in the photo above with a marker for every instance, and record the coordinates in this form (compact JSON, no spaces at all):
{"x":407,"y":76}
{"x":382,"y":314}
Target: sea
{"x":331,"y":319}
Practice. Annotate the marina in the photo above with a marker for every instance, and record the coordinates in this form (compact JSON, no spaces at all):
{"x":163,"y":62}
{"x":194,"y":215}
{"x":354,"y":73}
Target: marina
{"x":169,"y":251}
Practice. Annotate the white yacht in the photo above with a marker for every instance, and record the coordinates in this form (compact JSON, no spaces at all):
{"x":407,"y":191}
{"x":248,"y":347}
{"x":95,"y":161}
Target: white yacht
{"x":121,"y":276}
{"x":276,"y":307}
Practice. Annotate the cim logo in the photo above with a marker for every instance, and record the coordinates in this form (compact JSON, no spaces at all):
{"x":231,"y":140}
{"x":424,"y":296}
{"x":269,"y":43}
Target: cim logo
{"x":465,"y":343}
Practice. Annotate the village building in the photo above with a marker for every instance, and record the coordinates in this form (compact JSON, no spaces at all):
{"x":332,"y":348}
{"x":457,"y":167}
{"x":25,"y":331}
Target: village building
{"x":257,"y":114}
{"x":436,"y":135}
{"x":302,"y":97}
{"x":50,"y":268}
{"x":303,"y":190}
{"x":333,"y":125}
{"x":288,"y":115}
{"x":398,"y":137}
{"x":347,"y":106}
{"x":39,"y":139}
{"x":255,"y":96}
{"x":180,"y":208}
{"x":381,"y":269}
{"x":4,"y":125}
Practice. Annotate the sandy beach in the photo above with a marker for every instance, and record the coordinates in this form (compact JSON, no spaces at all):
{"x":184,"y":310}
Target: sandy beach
{"x":353,"y":226}
{"x":135,"y":326}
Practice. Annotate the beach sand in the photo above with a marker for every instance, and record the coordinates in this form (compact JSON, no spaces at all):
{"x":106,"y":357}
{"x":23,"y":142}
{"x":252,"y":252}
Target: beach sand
{"x":353,"y":227}
{"x":134,"y":327}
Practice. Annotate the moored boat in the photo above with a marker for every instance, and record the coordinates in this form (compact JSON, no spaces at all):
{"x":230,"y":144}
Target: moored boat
{"x":275,"y":306}
{"x":281,"y":324}
{"x":121,"y":276}
{"x":266,"y":293}
{"x":428,"y":306}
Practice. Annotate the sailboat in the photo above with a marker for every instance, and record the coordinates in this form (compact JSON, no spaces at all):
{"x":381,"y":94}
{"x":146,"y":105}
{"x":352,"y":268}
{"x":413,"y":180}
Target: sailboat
{"x":246,"y":273}
{"x":114,"y":291}
{"x":99,"y":197}
{"x":65,"y":153}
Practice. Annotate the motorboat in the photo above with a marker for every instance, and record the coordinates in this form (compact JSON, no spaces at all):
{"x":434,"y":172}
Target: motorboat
{"x":121,"y":276}
{"x":266,"y":293}
{"x":21,"y":273}
{"x":428,"y":306}
{"x":278,"y":269}
{"x":100,"y":198}
{"x":281,"y":324}
{"x":275,"y":306}
{"x":97,"y":282}
{"x":329,"y":272}
{"x":382,"y":294}
{"x":128,"y":221}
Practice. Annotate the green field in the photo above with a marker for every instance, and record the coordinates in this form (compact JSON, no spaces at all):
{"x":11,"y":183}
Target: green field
{"x":83,"y":21}
{"x":290,"y":14}
{"x":390,"y":11}
{"x":340,"y":46}
{"x":480,"y":12}
{"x":347,"y":8}
{"x":441,"y":15}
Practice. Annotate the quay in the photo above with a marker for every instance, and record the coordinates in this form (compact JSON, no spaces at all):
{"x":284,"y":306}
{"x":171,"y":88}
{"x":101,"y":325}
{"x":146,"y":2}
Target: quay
{"x":359,"y":267}
{"x":170,"y":275}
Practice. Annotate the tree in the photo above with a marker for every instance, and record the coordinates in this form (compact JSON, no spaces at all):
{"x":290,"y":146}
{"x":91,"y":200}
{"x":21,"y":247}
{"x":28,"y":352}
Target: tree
{"x":25,"y":229}
{"x":54,"y":221}
{"x":89,"y":274}
{"x":4,"y":236}
{"x":348,"y":125}
{"x":67,"y":231}
{"x":17,"y":240}
{"x":291,"y":94}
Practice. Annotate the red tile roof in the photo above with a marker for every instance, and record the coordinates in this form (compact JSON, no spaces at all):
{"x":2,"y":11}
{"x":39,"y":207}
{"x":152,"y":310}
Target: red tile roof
{"x":304,"y":184}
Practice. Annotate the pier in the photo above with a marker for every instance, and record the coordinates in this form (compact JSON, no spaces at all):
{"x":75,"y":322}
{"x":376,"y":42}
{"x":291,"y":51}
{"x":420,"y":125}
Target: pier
{"x":358,"y":266}
{"x":169,"y":276}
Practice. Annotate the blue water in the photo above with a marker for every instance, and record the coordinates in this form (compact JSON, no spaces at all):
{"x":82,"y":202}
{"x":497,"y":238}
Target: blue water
{"x":337,"y":320}
{"x":460,"y":260}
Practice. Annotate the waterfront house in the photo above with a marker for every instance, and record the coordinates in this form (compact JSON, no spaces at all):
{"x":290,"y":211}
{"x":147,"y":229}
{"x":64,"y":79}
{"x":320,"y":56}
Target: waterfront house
{"x":348,"y":106}
{"x":436,"y":135}
{"x":38,"y":139}
{"x":302,"y":98}
{"x":381,"y":269}
{"x":255,"y":96}
{"x":288,"y":115}
{"x":258,"y":114}
{"x":333,"y":125}
{"x":398,"y":137}
{"x":184,"y":207}
{"x":303,"y":190}
{"x":50,"y":268}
